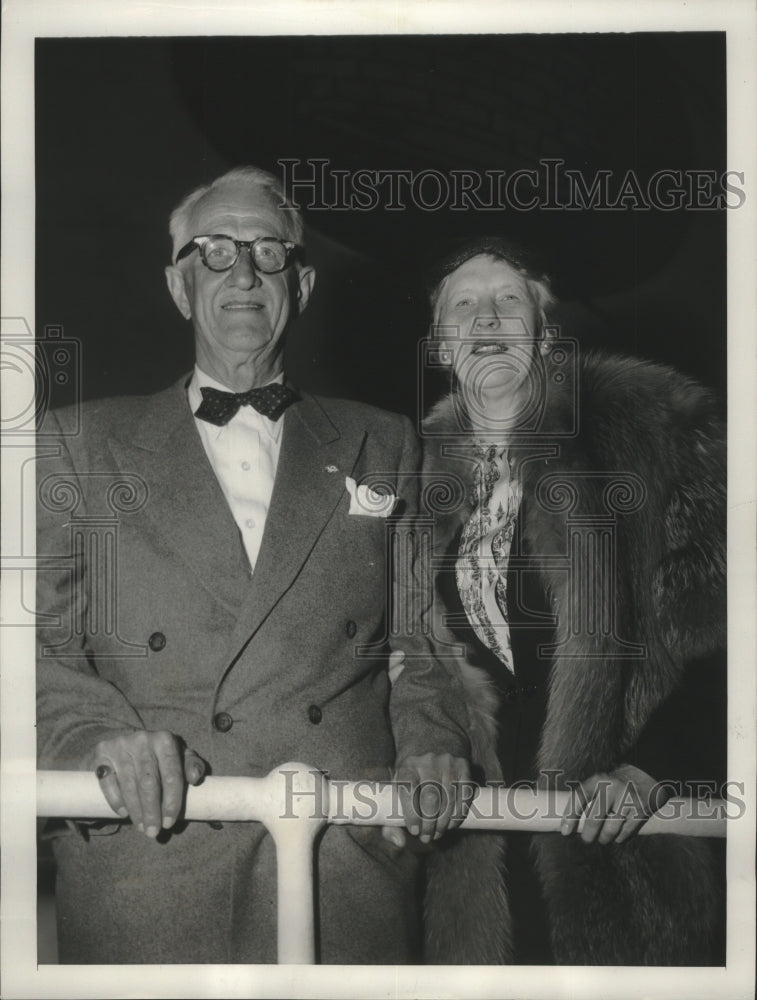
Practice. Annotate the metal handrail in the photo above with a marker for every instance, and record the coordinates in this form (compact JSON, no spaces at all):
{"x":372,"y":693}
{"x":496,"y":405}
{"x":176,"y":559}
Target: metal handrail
{"x":294,"y":802}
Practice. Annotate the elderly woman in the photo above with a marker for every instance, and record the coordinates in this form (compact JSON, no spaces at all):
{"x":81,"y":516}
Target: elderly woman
{"x":585,"y":543}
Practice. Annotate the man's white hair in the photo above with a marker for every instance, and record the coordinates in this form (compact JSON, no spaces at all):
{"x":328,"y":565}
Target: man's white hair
{"x":181,"y":225}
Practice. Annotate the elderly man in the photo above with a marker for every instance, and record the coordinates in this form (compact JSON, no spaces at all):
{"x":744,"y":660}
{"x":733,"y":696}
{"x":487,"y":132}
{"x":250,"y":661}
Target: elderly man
{"x":247,"y":576}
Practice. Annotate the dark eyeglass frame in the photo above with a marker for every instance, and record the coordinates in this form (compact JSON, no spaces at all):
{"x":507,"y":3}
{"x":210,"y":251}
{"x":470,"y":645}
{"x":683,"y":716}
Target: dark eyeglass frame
{"x":200,"y":242}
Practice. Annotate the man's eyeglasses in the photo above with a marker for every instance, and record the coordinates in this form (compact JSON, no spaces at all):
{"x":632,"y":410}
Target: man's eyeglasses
{"x":220,"y":253}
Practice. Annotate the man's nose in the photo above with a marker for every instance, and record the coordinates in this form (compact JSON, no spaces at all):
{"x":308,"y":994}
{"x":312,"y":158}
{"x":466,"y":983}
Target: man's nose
{"x":244,"y":274}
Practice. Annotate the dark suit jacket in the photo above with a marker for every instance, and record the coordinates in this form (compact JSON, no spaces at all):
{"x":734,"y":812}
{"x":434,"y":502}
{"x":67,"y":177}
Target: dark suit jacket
{"x":251,"y":671}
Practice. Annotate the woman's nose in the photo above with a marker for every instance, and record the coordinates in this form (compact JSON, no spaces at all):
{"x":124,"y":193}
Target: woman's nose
{"x":488,"y":321}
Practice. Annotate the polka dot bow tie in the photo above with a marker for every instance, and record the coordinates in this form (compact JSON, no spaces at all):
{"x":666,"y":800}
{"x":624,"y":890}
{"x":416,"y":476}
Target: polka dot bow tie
{"x":218,"y":407}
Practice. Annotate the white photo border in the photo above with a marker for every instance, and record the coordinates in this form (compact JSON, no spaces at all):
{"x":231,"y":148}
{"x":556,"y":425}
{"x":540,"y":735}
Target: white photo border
{"x":23,"y":22}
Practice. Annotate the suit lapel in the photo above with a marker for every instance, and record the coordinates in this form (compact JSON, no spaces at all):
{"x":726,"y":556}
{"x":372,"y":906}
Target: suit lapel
{"x":185,"y":502}
{"x":314,"y":460}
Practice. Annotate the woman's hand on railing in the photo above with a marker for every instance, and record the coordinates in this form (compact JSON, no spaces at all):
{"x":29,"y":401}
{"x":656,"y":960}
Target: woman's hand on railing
{"x":144,"y":775}
{"x":614,"y":806}
{"x":435,"y":791}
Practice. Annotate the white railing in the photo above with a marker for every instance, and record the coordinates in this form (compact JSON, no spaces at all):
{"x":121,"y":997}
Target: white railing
{"x":294,"y":802}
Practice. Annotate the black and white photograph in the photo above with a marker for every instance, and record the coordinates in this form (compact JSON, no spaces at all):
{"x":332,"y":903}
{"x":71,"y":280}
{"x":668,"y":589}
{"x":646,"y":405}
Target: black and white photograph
{"x":378,"y":447}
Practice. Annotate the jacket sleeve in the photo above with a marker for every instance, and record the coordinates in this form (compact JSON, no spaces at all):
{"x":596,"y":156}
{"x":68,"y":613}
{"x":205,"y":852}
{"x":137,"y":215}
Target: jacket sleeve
{"x":76,"y":708}
{"x":427,"y":704}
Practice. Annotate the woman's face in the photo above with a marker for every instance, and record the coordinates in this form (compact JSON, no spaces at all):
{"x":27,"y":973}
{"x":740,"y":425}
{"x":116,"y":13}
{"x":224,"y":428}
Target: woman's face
{"x":488,"y":322}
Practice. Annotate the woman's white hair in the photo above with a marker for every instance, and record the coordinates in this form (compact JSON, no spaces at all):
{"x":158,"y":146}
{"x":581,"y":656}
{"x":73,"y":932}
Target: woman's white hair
{"x":519,"y":257}
{"x":181,"y":223}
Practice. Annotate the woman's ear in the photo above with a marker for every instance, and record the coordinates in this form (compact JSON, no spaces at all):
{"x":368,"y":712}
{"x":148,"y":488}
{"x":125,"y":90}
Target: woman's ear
{"x":548,"y":334}
{"x":442,"y":349}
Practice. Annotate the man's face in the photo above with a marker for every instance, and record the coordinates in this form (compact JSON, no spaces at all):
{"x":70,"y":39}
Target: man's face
{"x":240,"y":316}
{"x":491,"y":322}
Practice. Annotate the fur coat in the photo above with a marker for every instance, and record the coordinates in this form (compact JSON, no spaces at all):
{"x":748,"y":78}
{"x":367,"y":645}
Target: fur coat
{"x":643,"y":445}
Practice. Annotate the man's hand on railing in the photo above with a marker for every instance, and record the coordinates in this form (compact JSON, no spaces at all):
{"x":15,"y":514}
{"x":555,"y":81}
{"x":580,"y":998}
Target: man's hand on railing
{"x":144,"y":774}
{"x":435,"y":791}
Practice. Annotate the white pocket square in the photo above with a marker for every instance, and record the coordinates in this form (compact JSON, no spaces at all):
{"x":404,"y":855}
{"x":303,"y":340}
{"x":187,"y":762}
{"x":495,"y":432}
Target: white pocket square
{"x":368,"y":502}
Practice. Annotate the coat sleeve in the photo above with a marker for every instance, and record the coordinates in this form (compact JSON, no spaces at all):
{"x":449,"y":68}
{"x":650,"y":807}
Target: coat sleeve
{"x":689,"y":596}
{"x":76,"y":708}
{"x":427,"y":704}
{"x":689,"y":585}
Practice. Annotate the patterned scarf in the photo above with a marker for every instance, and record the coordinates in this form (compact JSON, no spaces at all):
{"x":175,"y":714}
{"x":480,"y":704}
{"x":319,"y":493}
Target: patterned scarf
{"x":481,"y":567}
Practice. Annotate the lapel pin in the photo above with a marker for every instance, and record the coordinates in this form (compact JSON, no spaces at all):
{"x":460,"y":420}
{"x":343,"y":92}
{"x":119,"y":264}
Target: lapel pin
{"x":331,"y":468}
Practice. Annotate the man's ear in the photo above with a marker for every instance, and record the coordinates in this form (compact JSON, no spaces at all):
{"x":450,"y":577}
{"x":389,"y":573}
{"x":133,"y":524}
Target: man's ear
{"x":305,"y":282}
{"x":177,"y":288}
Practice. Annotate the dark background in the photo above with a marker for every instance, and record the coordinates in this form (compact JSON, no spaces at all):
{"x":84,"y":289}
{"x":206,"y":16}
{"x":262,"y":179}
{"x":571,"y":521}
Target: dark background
{"x":126,"y":127}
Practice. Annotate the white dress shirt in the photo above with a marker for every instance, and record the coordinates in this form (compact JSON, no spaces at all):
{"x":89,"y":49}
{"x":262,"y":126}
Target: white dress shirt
{"x":244,"y":455}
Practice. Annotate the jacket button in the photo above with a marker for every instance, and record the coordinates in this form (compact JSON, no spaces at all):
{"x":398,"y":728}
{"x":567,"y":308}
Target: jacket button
{"x":351,"y":629}
{"x":223,"y":722}
{"x":315,"y":714}
{"x":156,"y":642}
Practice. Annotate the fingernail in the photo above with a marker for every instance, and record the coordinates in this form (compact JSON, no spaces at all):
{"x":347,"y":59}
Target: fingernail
{"x":195,"y":773}
{"x":123,"y":812}
{"x":415,"y":830}
{"x":437,"y":835}
{"x":425,"y":838}
{"x":152,"y":831}
{"x":168,"y":821}
{"x":141,"y":827}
